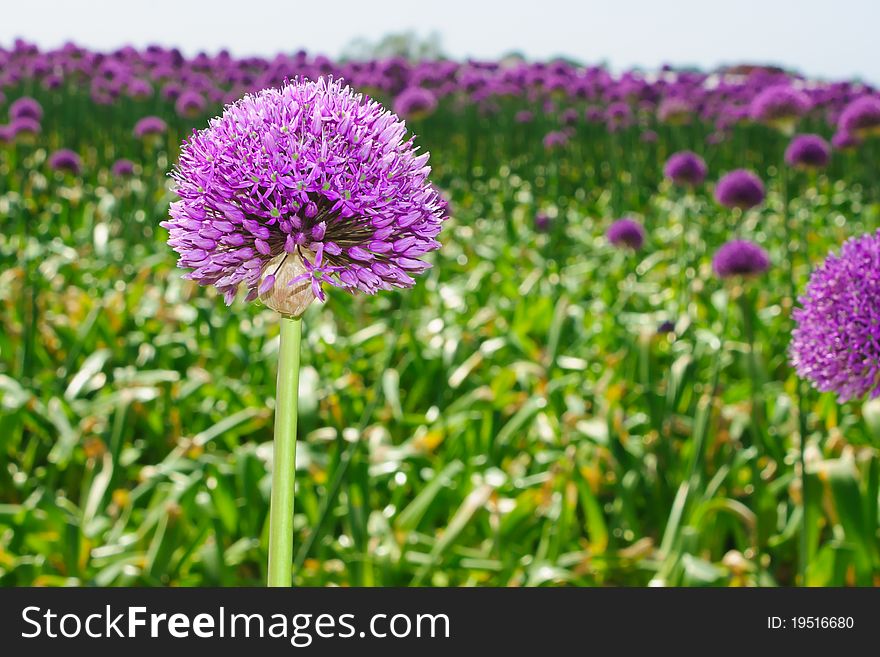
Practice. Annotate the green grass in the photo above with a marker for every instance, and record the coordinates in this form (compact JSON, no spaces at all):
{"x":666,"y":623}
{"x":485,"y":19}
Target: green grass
{"x":515,"y":419}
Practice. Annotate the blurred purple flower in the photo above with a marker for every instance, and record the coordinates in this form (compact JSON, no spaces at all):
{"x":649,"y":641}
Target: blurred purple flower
{"x":149,"y":125}
{"x":626,"y":232}
{"x":685,"y":168}
{"x":808,"y":152}
{"x":740,"y":189}
{"x":26,"y":108}
{"x":65,"y":160}
{"x":740,"y":258}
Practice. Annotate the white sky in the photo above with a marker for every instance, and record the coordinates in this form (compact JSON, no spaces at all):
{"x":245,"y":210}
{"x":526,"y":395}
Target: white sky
{"x":829,"y":39}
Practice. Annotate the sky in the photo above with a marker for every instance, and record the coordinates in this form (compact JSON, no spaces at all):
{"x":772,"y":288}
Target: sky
{"x":824,"y":39}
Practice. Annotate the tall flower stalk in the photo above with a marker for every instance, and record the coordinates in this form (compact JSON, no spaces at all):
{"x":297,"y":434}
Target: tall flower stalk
{"x":289,"y":191}
{"x":284,"y":454}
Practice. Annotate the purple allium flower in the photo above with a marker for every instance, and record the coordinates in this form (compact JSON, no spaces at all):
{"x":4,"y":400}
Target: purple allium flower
{"x":415,"y":103}
{"x":542,"y":222}
{"x":189,"y":104}
{"x":149,"y":125}
{"x":65,"y":160}
{"x":685,"y":168}
{"x":674,"y":110}
{"x":24,"y":126}
{"x":740,"y":189}
{"x":626,"y":233}
{"x":26,"y":108}
{"x":836,"y":341}
{"x":779,"y":104}
{"x":6,"y":134}
{"x":301,"y":186}
{"x":648,"y":137}
{"x":861,"y":117}
{"x":523,"y":116}
{"x":740,"y":258}
{"x":808,"y":152}
{"x":569,"y":116}
{"x":123,"y":168}
{"x":844,"y":141}
{"x":555,"y":139}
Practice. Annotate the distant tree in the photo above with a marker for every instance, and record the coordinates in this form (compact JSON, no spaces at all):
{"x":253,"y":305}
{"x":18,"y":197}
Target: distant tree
{"x":407,"y":44}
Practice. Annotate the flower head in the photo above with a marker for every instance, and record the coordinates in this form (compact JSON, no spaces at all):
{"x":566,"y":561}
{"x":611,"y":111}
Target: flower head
{"x":26,"y":108}
{"x":189,"y":104}
{"x":415,"y":103}
{"x":123,"y":168}
{"x":555,"y":139}
{"x":626,"y":233}
{"x":844,"y":141}
{"x":808,"y":152}
{"x":542,"y":222}
{"x":779,"y":105}
{"x":149,"y":125}
{"x":861,"y":117}
{"x":65,"y":160}
{"x":296,"y":187}
{"x":685,"y":168}
{"x":836,"y":340}
{"x":740,"y":189}
{"x":740,"y":258}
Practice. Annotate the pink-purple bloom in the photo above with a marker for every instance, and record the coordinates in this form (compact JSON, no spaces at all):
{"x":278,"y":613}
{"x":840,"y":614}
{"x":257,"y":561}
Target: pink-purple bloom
{"x":122,"y":168}
{"x":740,"y":258}
{"x":311,"y":173}
{"x":65,"y":160}
{"x":808,"y":152}
{"x":415,"y":103}
{"x":740,"y":189}
{"x":861,"y":117}
{"x":685,"y":168}
{"x":779,"y":104}
{"x":150,"y":125}
{"x":26,"y":108}
{"x":626,"y":232}
{"x":836,"y":340}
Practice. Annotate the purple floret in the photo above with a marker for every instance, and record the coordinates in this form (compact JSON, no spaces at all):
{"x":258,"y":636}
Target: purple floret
{"x":26,"y":108}
{"x":149,"y":125}
{"x":626,"y":233}
{"x":740,"y":189}
{"x":685,"y":168}
{"x":779,"y":104}
{"x":861,"y":117}
{"x":65,"y":160}
{"x":123,"y":168}
{"x":740,"y":258}
{"x":836,"y":340}
{"x":808,"y":152}
{"x":313,"y":173}
{"x":415,"y":102}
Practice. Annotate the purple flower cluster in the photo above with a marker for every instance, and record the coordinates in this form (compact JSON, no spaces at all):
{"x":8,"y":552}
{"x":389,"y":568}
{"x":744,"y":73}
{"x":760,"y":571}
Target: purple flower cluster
{"x":740,"y":189}
{"x":311,"y":184}
{"x":685,"y":168}
{"x":861,"y":117}
{"x":149,"y":125}
{"x":740,"y":258}
{"x":65,"y":160}
{"x":836,"y":341}
{"x":779,"y":104}
{"x":808,"y":152}
{"x":627,"y":233}
{"x":415,"y":103}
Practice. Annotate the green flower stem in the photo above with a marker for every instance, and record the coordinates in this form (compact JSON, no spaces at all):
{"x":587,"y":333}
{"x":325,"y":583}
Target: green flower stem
{"x":284,"y":455}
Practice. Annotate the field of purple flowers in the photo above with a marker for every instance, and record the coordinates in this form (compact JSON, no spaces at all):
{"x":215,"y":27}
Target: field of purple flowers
{"x":630,"y":362}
